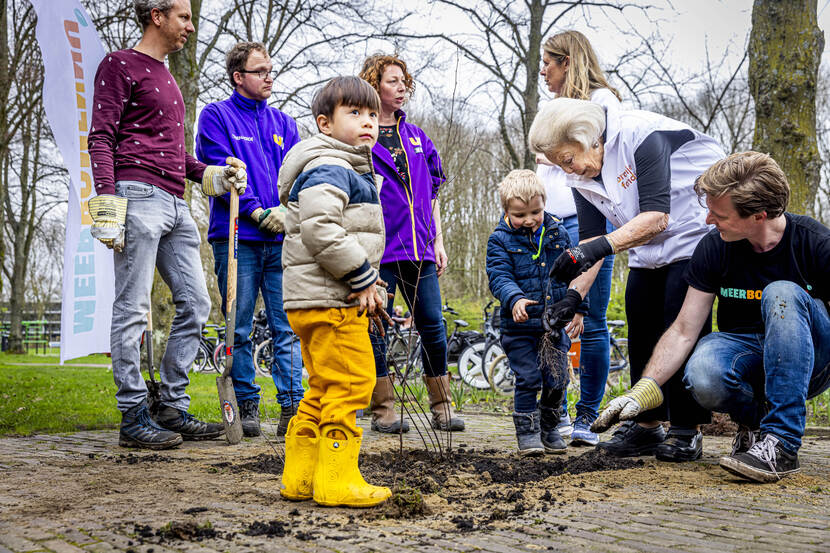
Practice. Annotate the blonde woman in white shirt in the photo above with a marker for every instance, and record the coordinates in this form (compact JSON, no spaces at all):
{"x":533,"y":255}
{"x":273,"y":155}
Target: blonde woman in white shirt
{"x":570,"y":69}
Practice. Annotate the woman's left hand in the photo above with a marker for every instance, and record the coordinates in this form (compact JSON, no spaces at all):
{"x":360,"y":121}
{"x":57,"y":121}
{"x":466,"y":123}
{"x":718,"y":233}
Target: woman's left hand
{"x":440,"y":257}
{"x":576,"y":326}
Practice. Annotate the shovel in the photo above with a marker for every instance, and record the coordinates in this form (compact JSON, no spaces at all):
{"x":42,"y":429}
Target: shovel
{"x":153,"y":394}
{"x":227,"y":397}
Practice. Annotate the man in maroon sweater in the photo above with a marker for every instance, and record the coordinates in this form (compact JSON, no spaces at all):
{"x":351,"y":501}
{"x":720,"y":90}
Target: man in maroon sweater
{"x":139,"y":164}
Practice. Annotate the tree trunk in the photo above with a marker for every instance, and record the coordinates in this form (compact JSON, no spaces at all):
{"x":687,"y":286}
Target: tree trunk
{"x":785,"y":47}
{"x":17,"y":280}
{"x":5,"y":87}
{"x":184,"y":68}
{"x":531,"y":90}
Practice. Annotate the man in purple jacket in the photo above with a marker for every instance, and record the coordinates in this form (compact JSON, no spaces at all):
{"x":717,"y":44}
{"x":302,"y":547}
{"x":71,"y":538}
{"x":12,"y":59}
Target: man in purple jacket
{"x":136,"y":145}
{"x":244,"y":126}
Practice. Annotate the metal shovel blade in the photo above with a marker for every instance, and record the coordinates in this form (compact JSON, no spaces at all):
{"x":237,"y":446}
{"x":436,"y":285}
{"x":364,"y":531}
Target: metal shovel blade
{"x":230,"y":409}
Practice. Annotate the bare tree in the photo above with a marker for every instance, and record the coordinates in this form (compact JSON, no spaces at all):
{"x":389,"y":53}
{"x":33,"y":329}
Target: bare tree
{"x":785,"y":49}
{"x":507,"y":48}
{"x":26,"y":175}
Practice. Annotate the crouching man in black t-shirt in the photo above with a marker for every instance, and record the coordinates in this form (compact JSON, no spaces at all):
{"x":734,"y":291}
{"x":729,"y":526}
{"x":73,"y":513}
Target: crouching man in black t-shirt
{"x":770,"y":271}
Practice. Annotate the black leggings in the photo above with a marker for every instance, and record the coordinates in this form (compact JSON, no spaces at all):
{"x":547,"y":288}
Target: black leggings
{"x":653,"y":298}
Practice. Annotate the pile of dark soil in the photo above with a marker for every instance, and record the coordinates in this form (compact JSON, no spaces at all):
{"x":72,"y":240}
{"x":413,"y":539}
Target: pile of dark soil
{"x":721,"y":425}
{"x":428,"y":472}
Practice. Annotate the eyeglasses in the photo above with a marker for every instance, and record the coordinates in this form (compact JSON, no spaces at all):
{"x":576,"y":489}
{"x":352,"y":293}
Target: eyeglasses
{"x":261,"y":73}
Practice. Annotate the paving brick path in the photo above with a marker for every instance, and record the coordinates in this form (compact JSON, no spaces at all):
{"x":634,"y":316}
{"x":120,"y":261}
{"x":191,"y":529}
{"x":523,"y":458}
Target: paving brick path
{"x":74,"y":494}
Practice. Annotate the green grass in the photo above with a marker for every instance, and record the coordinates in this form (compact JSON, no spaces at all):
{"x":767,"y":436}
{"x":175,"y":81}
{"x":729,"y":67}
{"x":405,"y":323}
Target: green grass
{"x":51,"y":358}
{"x":67,"y":399}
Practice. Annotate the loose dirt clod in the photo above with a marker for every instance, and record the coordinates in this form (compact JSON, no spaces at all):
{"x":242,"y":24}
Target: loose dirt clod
{"x":273,"y":528}
{"x":187,"y":531}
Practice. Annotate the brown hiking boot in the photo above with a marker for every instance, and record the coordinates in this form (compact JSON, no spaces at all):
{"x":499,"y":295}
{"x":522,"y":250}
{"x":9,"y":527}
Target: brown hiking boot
{"x":384,"y":417}
{"x":443,"y":417}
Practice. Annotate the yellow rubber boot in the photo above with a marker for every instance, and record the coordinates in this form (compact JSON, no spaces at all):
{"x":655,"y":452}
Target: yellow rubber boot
{"x":337,"y":479}
{"x":301,"y":446}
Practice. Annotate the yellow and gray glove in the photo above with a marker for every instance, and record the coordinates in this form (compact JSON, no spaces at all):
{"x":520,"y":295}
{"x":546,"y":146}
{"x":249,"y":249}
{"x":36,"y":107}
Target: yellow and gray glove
{"x":271,"y":219}
{"x":644,"y":395}
{"x":219,"y":179}
{"x":109,"y":217}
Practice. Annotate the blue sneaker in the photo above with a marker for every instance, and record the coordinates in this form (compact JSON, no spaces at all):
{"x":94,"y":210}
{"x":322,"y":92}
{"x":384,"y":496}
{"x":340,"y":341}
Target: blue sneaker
{"x":582,"y":434}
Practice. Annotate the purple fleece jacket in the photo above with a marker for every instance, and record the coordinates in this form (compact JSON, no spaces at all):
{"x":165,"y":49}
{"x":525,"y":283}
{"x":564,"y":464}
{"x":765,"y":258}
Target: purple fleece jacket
{"x":407,"y":209}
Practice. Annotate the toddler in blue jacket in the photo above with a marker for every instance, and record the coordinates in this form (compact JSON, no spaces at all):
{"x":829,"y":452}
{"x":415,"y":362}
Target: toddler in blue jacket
{"x":520,"y":252}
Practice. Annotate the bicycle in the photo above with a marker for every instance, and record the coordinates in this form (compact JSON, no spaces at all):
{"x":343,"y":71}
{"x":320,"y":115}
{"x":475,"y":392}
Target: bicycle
{"x":474,"y":361}
{"x":459,"y":340}
{"x":203,"y":362}
{"x":403,"y":350}
{"x":219,"y":351}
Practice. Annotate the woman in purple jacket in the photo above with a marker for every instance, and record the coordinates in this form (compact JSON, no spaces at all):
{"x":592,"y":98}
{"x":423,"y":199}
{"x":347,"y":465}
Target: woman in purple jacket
{"x":414,"y":257}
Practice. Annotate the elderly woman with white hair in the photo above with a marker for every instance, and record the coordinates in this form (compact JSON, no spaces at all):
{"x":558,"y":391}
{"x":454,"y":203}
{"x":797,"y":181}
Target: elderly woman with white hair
{"x":637,"y":171}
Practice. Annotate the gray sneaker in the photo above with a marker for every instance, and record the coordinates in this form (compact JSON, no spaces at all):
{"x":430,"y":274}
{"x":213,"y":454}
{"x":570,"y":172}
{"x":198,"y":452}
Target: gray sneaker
{"x":187,"y":425}
{"x":138,"y":429}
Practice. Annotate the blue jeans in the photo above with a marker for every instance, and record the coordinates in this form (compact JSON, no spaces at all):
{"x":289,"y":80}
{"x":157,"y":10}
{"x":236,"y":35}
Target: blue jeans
{"x":259,"y":267}
{"x":595,"y":353}
{"x":422,"y":294}
{"x":160,"y":233}
{"x":531,"y":374}
{"x":765,"y":379}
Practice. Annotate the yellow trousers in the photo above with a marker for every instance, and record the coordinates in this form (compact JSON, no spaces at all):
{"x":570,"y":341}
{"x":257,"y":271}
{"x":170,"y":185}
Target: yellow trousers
{"x":338,"y":356}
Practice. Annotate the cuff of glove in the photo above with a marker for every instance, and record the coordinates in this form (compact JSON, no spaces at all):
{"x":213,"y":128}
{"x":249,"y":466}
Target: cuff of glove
{"x":647,"y":393}
{"x":212,"y":180}
{"x":108,"y":208}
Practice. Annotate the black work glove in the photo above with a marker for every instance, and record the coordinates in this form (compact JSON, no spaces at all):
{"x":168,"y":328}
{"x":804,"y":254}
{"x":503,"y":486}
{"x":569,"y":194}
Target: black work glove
{"x":575,"y":261}
{"x":558,"y":314}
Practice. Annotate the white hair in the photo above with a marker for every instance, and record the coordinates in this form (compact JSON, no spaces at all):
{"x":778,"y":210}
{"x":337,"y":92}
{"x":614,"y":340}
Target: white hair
{"x":565,"y":120}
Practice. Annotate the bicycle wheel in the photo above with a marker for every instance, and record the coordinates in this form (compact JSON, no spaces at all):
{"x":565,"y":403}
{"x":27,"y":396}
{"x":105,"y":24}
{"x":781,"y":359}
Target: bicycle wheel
{"x":219,"y":357}
{"x":202,"y":362}
{"x":500,"y":376}
{"x":470,"y":364}
{"x":619,"y":361}
{"x":263,"y":358}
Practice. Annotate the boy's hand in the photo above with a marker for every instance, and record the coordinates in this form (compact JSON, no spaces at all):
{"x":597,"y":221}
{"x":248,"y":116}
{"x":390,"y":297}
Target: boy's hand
{"x":520,"y":309}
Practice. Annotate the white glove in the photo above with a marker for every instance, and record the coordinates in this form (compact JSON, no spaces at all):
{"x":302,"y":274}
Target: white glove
{"x":271,"y":219}
{"x":645,"y":395}
{"x":109,"y":216}
{"x":219,"y":179}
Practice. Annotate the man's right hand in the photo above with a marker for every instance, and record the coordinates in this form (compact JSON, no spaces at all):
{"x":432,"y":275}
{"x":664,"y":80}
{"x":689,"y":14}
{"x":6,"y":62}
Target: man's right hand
{"x":109,"y":218}
{"x":644,"y":395}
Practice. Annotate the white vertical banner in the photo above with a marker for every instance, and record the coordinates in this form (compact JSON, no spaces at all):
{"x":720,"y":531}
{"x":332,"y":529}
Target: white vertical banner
{"x":71,"y":52}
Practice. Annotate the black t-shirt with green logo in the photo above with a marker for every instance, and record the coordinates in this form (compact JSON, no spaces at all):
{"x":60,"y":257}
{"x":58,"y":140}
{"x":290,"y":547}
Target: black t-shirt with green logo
{"x":737,"y":274}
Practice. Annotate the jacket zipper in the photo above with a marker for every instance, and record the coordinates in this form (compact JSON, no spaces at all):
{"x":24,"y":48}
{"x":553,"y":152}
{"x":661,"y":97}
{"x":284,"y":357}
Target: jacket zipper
{"x":409,"y":193}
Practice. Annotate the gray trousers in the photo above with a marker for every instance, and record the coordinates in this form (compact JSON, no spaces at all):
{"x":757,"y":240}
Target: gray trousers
{"x":160,"y":232}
